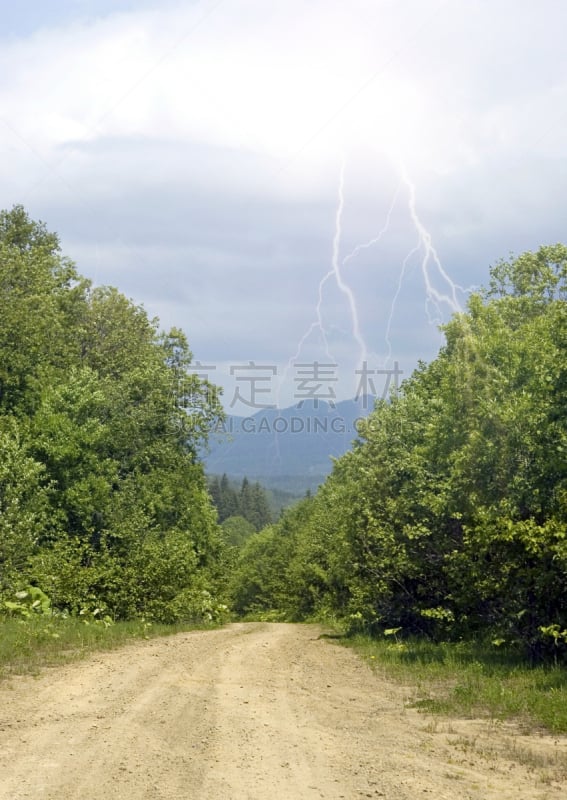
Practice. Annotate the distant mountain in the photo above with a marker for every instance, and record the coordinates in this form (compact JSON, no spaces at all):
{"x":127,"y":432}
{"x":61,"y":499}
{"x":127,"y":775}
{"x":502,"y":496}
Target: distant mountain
{"x":288,"y":449}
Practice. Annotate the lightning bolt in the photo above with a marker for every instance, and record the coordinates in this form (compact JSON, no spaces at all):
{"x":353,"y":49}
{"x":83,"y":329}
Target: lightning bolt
{"x":376,"y":240}
{"x":317,"y":325}
{"x":431,"y":269}
{"x":336,"y":272}
{"x":360,"y":247}
{"x":434,"y":298}
{"x":395,"y":301}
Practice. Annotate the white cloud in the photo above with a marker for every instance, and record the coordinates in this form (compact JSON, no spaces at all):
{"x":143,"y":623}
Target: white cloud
{"x":269,"y":77}
{"x":189,"y":153}
{"x":446,"y":85}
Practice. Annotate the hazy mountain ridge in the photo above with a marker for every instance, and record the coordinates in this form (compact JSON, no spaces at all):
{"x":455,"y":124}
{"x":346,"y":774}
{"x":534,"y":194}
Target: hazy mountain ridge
{"x":289,"y":448}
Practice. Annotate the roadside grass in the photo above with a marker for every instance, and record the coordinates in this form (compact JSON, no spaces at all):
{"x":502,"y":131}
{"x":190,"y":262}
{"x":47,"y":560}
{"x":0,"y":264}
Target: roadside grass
{"x":26,"y":646}
{"x":472,"y":680}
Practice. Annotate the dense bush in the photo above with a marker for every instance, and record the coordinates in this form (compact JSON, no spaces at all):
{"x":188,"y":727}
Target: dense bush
{"x":448,"y":518}
{"x":103,"y":502}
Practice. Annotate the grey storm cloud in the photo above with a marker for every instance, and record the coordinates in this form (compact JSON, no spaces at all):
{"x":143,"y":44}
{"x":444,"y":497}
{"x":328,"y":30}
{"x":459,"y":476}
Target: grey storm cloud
{"x":190,"y":154}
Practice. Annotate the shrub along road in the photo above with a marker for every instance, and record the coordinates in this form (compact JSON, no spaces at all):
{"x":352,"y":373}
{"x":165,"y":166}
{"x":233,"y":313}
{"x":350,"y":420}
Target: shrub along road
{"x":251,"y":711}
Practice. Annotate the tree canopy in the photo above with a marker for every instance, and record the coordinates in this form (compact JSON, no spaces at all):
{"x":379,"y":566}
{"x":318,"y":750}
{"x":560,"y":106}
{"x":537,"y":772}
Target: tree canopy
{"x":448,"y":517}
{"x":103,"y":501}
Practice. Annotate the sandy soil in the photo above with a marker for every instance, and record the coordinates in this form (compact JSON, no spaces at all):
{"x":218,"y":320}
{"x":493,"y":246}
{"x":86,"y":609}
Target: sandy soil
{"x":251,"y":711}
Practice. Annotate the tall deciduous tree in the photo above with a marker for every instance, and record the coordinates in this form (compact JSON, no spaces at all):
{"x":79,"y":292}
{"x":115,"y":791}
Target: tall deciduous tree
{"x":102,"y":492}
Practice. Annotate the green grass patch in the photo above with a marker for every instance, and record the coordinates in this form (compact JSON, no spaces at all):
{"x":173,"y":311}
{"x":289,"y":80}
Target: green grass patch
{"x":469,"y":679}
{"x":28,"y":645}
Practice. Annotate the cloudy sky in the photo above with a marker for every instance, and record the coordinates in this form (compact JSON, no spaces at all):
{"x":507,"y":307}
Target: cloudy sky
{"x":289,"y":182}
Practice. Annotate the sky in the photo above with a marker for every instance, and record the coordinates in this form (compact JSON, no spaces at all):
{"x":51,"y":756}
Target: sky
{"x":307,"y":188}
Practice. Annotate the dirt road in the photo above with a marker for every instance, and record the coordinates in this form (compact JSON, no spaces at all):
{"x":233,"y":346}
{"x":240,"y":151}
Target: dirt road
{"x":249,"y":712}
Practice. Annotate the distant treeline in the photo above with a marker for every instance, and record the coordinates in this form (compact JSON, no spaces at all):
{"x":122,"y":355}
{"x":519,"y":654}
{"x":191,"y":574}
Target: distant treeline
{"x":448,"y":518}
{"x":247,"y":500}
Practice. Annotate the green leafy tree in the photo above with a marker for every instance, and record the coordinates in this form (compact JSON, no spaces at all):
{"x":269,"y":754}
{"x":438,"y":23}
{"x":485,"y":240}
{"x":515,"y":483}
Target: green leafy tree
{"x":103,"y":497}
{"x":237,"y":530}
{"x":448,"y":517}
{"x":23,"y":506}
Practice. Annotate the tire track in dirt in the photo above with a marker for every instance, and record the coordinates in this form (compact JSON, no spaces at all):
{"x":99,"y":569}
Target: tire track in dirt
{"x":247,"y":712}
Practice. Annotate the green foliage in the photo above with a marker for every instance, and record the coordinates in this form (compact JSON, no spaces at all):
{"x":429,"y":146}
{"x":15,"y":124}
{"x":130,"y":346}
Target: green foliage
{"x":259,"y":579}
{"x":26,"y":603}
{"x":23,"y":504}
{"x":472,"y":679}
{"x":103,"y":501}
{"x":449,"y":516}
{"x":249,"y":501}
{"x":18,"y":231}
{"x":237,"y":530}
{"x":28,"y":645}
{"x":39,"y":293}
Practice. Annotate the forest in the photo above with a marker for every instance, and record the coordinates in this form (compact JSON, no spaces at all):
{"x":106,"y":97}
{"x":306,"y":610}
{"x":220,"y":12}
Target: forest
{"x":447,"y":519}
{"x":104,"y":507}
